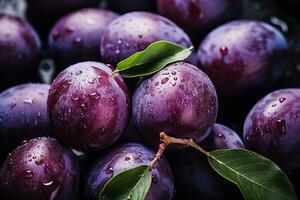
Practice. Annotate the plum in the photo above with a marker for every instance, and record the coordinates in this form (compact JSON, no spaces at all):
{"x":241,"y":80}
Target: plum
{"x":134,"y":31}
{"x":272,"y":128}
{"x":179,"y":100}
{"x":222,"y":137}
{"x":243,"y":56}
{"x":23,"y":114}
{"x":193,"y":175}
{"x":128,"y":156}
{"x":76,"y":37}
{"x":88,"y":108}
{"x":19,"y":50}
{"x":123,"y":6}
{"x":39,"y":169}
{"x":197,"y":17}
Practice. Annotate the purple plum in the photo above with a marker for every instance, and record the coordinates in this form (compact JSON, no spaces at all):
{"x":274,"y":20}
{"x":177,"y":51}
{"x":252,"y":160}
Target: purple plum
{"x":88,"y":107}
{"x":272,"y":128}
{"x":179,"y":100}
{"x":40,"y":169}
{"x":243,"y":57}
{"x":125,"y":157}
{"x":76,"y":36}
{"x":197,"y":17}
{"x":23,"y":114}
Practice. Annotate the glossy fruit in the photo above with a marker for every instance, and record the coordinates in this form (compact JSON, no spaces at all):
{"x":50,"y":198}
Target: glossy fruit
{"x":40,"y":169}
{"x":19,"y":50}
{"x":23,"y":114}
{"x":197,"y":17}
{"x":88,"y":108}
{"x":179,"y":100}
{"x":272,"y":128}
{"x":76,"y":37}
{"x":123,"y":6}
{"x":242,"y":57}
{"x":134,"y":31}
{"x":222,"y":137}
{"x":125,"y":157}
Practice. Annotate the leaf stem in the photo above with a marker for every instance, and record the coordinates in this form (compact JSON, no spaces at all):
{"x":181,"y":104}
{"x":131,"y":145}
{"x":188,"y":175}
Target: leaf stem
{"x":166,"y":140}
{"x":114,"y":72}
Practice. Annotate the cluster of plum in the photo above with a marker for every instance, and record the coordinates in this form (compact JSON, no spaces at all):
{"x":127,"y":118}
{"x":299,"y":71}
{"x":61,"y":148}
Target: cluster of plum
{"x":66,"y":140}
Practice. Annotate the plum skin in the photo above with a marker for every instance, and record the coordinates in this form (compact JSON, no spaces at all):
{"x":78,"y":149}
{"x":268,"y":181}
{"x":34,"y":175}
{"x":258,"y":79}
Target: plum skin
{"x":222,"y":137}
{"x":134,"y":31}
{"x":179,"y":100}
{"x":40,"y":169}
{"x":76,"y":36}
{"x":244,"y":61}
{"x":273,"y":125}
{"x":20,"y":47}
{"x":88,"y":108}
{"x":199,"y":16}
{"x":122,"y":6}
{"x":128,"y":156}
{"x":23,"y":114}
{"x":194,"y":176}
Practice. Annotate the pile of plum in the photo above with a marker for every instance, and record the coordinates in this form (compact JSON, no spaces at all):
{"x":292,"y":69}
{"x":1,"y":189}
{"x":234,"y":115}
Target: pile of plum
{"x":66,"y":139}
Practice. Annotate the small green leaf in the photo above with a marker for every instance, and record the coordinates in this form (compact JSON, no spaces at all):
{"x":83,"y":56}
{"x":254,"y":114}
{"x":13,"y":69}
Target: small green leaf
{"x":256,"y":176}
{"x":155,"y":57}
{"x":132,"y":184}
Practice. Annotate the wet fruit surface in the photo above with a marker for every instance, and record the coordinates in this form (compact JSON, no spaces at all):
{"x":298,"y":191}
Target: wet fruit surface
{"x":179,"y":100}
{"x":272,"y":127}
{"x":39,"y":169}
{"x":76,"y":37}
{"x":197,"y":17}
{"x":125,"y":157}
{"x":23,"y":114}
{"x":134,"y":31}
{"x":222,"y":137}
{"x":243,"y":56}
{"x":19,"y":50}
{"x":88,"y":108}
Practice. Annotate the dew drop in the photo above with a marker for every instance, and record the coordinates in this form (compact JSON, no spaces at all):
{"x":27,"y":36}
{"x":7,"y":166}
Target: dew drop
{"x":220,"y":135}
{"x":109,"y":170}
{"x":127,"y":158}
{"x":28,"y":101}
{"x":164,"y":80}
{"x":12,"y":105}
{"x":78,"y":72}
{"x":282,"y":99}
{"x":224,"y":51}
{"x":119,"y":41}
{"x":48,"y":183}
{"x":28,"y":174}
{"x":281,"y":126}
{"x":117,"y":51}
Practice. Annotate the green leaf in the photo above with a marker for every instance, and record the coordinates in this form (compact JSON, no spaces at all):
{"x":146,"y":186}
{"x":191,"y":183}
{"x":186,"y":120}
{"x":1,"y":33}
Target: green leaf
{"x":132,"y":184}
{"x":155,"y":57}
{"x":256,"y":176}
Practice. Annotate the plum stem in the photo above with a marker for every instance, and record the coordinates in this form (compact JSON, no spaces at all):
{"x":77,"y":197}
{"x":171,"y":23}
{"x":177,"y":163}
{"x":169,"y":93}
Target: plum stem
{"x":166,"y":140}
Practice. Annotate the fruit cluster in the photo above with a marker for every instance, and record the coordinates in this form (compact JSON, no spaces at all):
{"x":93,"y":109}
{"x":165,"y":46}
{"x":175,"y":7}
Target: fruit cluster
{"x":66,"y":139}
